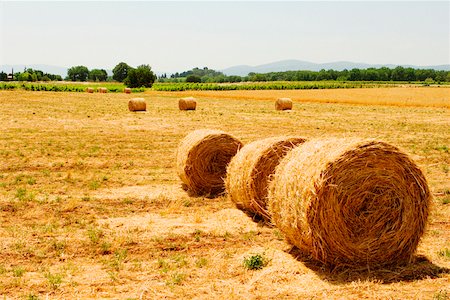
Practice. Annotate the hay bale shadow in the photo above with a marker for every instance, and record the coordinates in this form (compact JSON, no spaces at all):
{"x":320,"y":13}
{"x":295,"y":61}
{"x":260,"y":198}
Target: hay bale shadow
{"x":194,"y":194}
{"x":420,"y":268}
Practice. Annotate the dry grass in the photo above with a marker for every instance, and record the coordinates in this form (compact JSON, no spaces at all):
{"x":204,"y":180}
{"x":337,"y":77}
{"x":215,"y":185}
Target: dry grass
{"x":400,"y":96}
{"x":91,"y":204}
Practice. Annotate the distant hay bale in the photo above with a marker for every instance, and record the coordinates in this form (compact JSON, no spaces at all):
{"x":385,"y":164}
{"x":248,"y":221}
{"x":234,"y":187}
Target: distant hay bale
{"x":102,"y":90}
{"x":202,"y":159}
{"x":350,"y":202}
{"x":127,"y":91}
{"x":137,"y":104}
{"x":90,"y":90}
{"x":249,"y":172}
{"x":283,"y":104}
{"x":188,"y":103}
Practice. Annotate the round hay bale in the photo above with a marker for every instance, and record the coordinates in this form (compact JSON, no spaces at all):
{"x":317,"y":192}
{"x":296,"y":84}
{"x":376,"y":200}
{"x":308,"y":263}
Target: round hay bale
{"x":249,"y":172}
{"x":350,"y":202}
{"x":202,"y":159}
{"x":137,"y":104}
{"x":188,"y":103}
{"x":102,"y":90}
{"x":90,"y":90}
{"x":283,"y":104}
{"x":127,"y":91}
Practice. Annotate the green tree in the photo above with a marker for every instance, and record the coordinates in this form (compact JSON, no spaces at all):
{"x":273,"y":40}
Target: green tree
{"x":98,"y":75}
{"x":25,"y":76}
{"x":193,"y":78}
{"x":142,"y":76}
{"x":120,"y":72}
{"x":78,"y":73}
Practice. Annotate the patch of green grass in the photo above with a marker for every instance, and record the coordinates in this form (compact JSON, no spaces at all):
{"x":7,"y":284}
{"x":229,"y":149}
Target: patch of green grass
{"x":163,"y":265}
{"x":445,"y":253}
{"x":54,"y":280}
{"x":18,"y":271}
{"x":176,"y":279}
{"x":441,"y":295}
{"x":279,"y":236}
{"x":445,"y":199}
{"x":22,"y":194}
{"x":94,"y":235}
{"x":201,"y":262}
{"x":58,"y":246}
{"x":442,"y":148}
{"x":32,"y":297}
{"x":118,"y":258}
{"x":94,"y":184}
{"x":255,"y":262}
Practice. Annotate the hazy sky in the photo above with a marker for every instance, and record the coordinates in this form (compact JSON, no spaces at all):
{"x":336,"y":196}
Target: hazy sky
{"x":176,"y":36}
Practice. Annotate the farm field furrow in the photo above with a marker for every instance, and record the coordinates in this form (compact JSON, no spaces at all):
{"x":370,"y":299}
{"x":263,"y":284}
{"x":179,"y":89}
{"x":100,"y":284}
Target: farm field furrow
{"x":91,"y":206}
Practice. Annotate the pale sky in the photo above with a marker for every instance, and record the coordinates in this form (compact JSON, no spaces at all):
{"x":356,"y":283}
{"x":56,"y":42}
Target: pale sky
{"x":177,"y":36}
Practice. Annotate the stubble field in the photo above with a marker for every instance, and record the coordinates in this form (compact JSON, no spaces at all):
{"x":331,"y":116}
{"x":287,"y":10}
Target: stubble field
{"x":91,"y":206}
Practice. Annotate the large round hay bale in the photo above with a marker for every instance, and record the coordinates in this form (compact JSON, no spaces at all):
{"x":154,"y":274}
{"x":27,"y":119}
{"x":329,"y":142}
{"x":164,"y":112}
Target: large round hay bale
{"x":283,"y":104}
{"x":90,"y":90}
{"x":188,"y":103}
{"x":202,"y":159}
{"x":127,"y":90}
{"x":350,"y":202}
{"x":249,"y":172}
{"x":137,"y":104}
{"x":102,"y":90}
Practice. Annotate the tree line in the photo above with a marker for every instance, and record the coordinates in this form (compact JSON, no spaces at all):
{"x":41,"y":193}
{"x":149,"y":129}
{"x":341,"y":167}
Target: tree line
{"x":31,"y":75}
{"x":142,"y":76}
{"x":371,"y":74}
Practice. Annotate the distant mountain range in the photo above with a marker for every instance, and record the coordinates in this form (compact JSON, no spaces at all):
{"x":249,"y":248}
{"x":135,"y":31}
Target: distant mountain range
{"x":243,"y":70}
{"x":294,"y":65}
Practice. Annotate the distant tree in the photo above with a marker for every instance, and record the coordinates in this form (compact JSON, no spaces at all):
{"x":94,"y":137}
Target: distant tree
{"x":193,"y":78}
{"x":120,"y":72}
{"x":3,"y":76}
{"x":142,"y":76}
{"x":98,"y":75}
{"x":25,"y":76}
{"x":78,"y":73}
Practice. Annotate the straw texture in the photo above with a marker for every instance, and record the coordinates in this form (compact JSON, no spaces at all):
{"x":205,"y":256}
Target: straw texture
{"x":137,"y":104}
{"x":283,"y":104}
{"x":103,"y":90}
{"x":350,"y":202}
{"x":202,"y":159}
{"x":90,"y":90}
{"x":127,"y":91}
{"x":188,"y":103}
{"x":249,"y":171}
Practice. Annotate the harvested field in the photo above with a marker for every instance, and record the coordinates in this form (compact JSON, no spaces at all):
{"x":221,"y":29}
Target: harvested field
{"x":91,"y":204}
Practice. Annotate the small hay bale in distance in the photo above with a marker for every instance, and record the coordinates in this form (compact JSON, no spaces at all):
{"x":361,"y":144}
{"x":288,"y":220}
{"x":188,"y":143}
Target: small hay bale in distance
{"x":350,"y":202}
{"x":188,"y":103}
{"x":103,"y":90}
{"x":202,"y":159}
{"x":90,"y":90}
{"x":127,"y":90}
{"x":283,"y":104}
{"x":137,"y":104}
{"x":249,"y":172}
